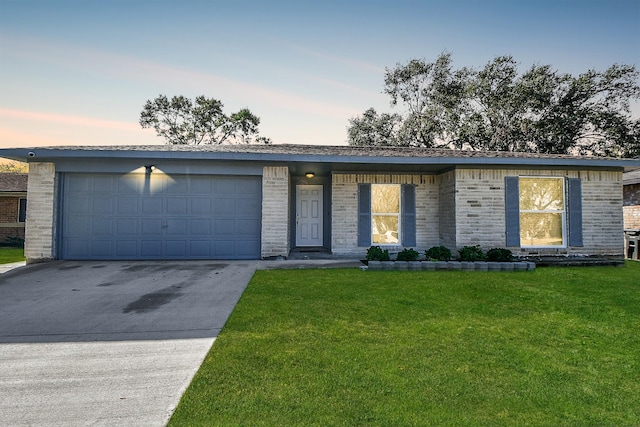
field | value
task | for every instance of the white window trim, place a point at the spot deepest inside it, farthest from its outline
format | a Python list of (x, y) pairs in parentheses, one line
[(564, 212), (399, 215)]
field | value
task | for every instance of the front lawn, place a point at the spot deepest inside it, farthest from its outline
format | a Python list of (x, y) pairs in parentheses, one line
[(556, 346), (8, 255)]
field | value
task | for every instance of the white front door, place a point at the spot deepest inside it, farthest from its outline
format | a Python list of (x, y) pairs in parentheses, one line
[(309, 215)]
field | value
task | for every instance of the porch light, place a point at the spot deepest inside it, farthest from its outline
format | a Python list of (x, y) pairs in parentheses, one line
[(150, 168), (309, 174)]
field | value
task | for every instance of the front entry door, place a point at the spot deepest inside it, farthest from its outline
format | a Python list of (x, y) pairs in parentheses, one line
[(309, 215)]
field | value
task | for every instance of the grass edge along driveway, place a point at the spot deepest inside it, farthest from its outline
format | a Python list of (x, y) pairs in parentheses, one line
[(556, 346)]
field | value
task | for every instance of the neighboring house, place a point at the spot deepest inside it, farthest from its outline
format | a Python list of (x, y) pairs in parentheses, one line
[(631, 183), (13, 205), (261, 201)]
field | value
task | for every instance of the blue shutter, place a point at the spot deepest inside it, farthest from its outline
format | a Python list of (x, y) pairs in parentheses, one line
[(364, 214), (408, 215), (512, 210), (574, 214)]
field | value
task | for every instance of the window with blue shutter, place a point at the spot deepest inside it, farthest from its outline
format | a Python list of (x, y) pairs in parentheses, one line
[(386, 214), (540, 213)]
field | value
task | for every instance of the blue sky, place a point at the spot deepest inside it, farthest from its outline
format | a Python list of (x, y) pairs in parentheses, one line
[(79, 72)]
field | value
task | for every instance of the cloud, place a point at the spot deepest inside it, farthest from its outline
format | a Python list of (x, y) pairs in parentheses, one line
[(67, 119), (127, 68)]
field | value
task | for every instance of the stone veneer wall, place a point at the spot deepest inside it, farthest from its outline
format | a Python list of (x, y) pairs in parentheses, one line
[(344, 210), (275, 211), (480, 216), (40, 224)]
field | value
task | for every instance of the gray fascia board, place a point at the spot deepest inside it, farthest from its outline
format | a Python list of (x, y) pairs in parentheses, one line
[(52, 154)]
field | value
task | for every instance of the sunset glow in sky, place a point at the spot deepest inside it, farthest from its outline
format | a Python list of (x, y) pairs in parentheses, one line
[(79, 72)]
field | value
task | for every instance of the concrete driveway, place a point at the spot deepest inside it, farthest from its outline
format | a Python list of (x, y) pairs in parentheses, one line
[(108, 343)]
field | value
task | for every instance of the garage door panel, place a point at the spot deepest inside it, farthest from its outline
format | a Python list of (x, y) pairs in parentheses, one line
[(176, 248), (104, 184), (198, 248), (151, 248), (102, 227), (78, 227), (177, 205), (102, 206), (200, 227), (151, 227), (127, 205), (224, 207), (201, 185), (137, 216), (247, 227), (126, 227), (224, 227), (126, 248), (152, 205), (101, 248), (201, 206), (176, 227)]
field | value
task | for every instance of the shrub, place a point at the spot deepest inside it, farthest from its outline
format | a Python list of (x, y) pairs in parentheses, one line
[(438, 253), (375, 253), (408, 255), (13, 242), (472, 253), (499, 255)]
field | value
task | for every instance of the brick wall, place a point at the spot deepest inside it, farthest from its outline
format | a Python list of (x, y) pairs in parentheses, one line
[(40, 213), (481, 193), (275, 211), (9, 226), (631, 216), (344, 210)]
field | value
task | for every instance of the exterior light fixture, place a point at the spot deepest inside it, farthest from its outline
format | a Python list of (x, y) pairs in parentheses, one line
[(150, 168), (309, 174)]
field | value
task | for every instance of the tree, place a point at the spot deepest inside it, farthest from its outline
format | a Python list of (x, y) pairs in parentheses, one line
[(499, 108), (181, 121), (11, 166)]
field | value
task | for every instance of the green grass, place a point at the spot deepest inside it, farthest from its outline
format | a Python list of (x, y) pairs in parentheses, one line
[(556, 346), (8, 255)]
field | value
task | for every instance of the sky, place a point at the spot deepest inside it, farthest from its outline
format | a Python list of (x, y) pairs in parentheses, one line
[(79, 72)]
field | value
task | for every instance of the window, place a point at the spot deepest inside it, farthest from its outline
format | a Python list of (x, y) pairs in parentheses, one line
[(542, 212), (385, 214), (22, 210)]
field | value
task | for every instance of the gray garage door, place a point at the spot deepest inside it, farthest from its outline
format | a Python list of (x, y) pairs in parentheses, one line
[(157, 216)]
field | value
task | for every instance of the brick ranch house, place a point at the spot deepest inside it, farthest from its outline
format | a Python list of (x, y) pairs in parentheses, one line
[(257, 201), (13, 205)]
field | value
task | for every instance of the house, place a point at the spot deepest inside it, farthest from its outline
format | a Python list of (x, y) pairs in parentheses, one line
[(13, 206), (631, 199), (262, 201)]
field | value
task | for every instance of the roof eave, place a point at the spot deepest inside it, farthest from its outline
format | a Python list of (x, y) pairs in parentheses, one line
[(53, 154)]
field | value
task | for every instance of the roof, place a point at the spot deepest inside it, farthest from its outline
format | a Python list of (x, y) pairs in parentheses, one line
[(13, 182), (631, 177), (329, 158)]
